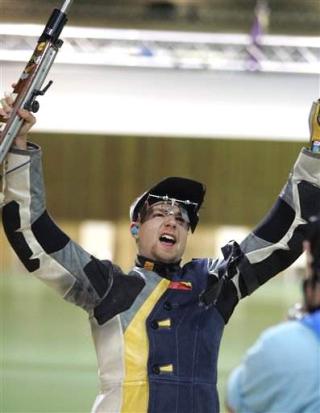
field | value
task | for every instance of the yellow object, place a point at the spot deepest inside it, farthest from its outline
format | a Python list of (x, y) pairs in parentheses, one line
[(167, 368), (165, 323), (314, 125)]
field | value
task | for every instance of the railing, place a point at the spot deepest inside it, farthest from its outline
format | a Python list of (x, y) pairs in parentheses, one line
[(169, 49)]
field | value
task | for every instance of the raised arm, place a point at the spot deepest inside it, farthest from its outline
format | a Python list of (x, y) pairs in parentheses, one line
[(273, 245), (277, 241), (44, 249)]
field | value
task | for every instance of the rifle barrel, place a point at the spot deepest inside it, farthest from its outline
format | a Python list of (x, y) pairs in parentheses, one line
[(65, 6)]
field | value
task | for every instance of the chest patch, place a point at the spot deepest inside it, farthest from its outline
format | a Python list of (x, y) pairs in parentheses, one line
[(180, 285)]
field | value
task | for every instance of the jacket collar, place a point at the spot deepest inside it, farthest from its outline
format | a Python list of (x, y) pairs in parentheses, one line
[(162, 269)]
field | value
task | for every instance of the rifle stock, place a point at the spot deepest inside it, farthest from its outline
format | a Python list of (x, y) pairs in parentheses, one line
[(34, 75)]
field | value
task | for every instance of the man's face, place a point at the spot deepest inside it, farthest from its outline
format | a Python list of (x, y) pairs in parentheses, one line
[(163, 233)]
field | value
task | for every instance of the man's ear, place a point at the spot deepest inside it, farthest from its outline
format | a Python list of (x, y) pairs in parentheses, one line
[(134, 229)]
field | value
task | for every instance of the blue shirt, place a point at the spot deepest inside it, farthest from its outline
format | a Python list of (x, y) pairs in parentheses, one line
[(281, 372)]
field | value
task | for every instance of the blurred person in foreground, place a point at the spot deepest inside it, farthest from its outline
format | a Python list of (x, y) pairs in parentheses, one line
[(156, 330), (281, 371)]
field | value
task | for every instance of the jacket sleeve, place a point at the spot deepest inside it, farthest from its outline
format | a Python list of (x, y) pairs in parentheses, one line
[(42, 247), (277, 241), (273, 245)]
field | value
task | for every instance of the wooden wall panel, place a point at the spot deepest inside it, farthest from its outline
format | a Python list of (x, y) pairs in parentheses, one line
[(97, 177)]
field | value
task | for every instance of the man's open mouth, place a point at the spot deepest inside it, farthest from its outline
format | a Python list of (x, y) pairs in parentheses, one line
[(167, 239)]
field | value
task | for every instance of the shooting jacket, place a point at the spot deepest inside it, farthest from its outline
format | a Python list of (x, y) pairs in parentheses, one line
[(157, 343)]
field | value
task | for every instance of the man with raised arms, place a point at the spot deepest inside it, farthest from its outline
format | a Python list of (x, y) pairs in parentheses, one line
[(156, 330)]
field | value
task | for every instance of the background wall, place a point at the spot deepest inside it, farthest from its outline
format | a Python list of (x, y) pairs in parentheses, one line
[(105, 174)]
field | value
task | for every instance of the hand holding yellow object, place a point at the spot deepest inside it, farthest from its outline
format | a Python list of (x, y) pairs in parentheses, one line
[(314, 124)]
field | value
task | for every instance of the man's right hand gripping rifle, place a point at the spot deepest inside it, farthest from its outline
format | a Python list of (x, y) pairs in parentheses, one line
[(29, 120), (100, 287)]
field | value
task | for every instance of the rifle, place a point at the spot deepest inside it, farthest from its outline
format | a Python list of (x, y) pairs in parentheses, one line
[(33, 76)]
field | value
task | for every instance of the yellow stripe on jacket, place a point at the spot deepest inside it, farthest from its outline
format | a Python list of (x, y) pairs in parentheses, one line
[(135, 387)]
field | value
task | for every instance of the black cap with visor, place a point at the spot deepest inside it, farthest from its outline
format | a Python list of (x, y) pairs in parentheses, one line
[(185, 192)]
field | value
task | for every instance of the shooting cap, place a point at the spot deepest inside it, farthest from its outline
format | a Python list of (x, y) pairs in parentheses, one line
[(185, 192)]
